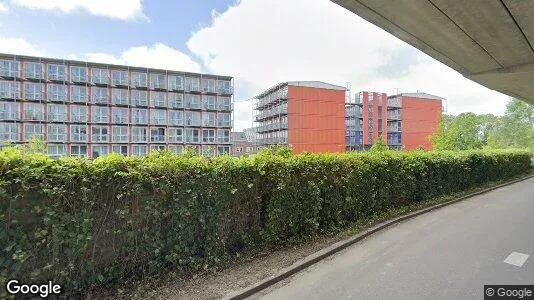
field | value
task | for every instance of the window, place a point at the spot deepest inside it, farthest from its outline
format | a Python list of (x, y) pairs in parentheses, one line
[(99, 95), (9, 132), (176, 82), (139, 80), (120, 96), (78, 74), (33, 130), (208, 150), (57, 72), (157, 135), (176, 100), (208, 119), (120, 115), (120, 134), (157, 148), (9, 111), (57, 113), (192, 135), (223, 136), (99, 134), (139, 98), (140, 116), (57, 92), (158, 116), (78, 94), (176, 117), (78, 114), (192, 101), (99, 150), (139, 134), (224, 103), (78, 150), (208, 85), (208, 135), (78, 133), (209, 102), (100, 114), (33, 70), (34, 111), (176, 149), (56, 133), (9, 68), (175, 135), (224, 87), (9, 90), (223, 150), (192, 84), (121, 149), (56, 150), (33, 91), (99, 76), (158, 81), (157, 99), (224, 120), (139, 150), (192, 118), (119, 77)]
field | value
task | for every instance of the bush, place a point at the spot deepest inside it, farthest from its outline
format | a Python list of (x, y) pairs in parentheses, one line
[(82, 223)]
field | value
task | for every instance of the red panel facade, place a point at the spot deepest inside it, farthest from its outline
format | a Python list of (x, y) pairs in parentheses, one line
[(316, 119), (420, 120)]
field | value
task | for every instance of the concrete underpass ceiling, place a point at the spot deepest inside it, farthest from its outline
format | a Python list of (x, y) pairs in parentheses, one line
[(488, 41)]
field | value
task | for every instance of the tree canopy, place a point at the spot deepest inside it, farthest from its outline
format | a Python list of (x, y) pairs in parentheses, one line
[(470, 131)]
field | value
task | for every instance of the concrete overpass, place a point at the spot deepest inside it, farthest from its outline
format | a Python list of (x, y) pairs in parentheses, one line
[(488, 41)]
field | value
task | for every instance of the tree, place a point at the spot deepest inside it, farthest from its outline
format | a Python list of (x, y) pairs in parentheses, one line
[(516, 128), (379, 146), (462, 132)]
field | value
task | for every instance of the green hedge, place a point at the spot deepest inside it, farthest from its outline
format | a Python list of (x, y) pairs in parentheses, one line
[(83, 223)]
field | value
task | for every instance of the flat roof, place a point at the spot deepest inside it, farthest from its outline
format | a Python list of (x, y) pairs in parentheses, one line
[(311, 84), (95, 64), (419, 95)]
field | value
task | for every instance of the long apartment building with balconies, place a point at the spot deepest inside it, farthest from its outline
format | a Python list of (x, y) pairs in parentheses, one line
[(90, 109)]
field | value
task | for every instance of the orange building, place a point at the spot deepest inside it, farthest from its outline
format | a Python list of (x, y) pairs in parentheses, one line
[(419, 116), (306, 115)]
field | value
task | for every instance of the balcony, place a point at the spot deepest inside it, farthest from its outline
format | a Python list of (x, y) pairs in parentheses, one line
[(274, 97), (9, 116), (192, 88), (272, 141), (272, 127), (228, 90), (394, 115), (394, 103), (275, 111)]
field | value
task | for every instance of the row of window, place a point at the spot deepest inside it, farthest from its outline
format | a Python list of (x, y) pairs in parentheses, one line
[(118, 134), (56, 150), (10, 111), (59, 72), (80, 94)]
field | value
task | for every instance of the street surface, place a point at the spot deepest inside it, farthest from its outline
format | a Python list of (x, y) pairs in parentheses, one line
[(450, 253)]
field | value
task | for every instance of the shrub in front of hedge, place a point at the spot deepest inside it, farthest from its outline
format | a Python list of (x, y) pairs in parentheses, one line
[(82, 223)]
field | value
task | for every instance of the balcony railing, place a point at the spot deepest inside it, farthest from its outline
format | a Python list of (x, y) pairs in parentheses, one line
[(272, 140), (275, 111), (272, 127), (271, 98)]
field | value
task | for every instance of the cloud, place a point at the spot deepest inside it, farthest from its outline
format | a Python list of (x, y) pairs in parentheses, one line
[(271, 41), (156, 56), (3, 8), (126, 10), (18, 46)]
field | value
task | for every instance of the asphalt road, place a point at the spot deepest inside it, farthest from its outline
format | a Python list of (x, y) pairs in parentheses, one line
[(450, 253)]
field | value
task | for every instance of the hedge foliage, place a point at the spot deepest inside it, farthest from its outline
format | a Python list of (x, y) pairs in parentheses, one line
[(83, 223)]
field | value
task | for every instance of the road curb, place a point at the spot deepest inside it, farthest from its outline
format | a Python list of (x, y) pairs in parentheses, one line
[(337, 247)]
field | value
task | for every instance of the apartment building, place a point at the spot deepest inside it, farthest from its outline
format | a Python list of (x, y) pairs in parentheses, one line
[(306, 115), (89, 109), (242, 144), (404, 121)]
